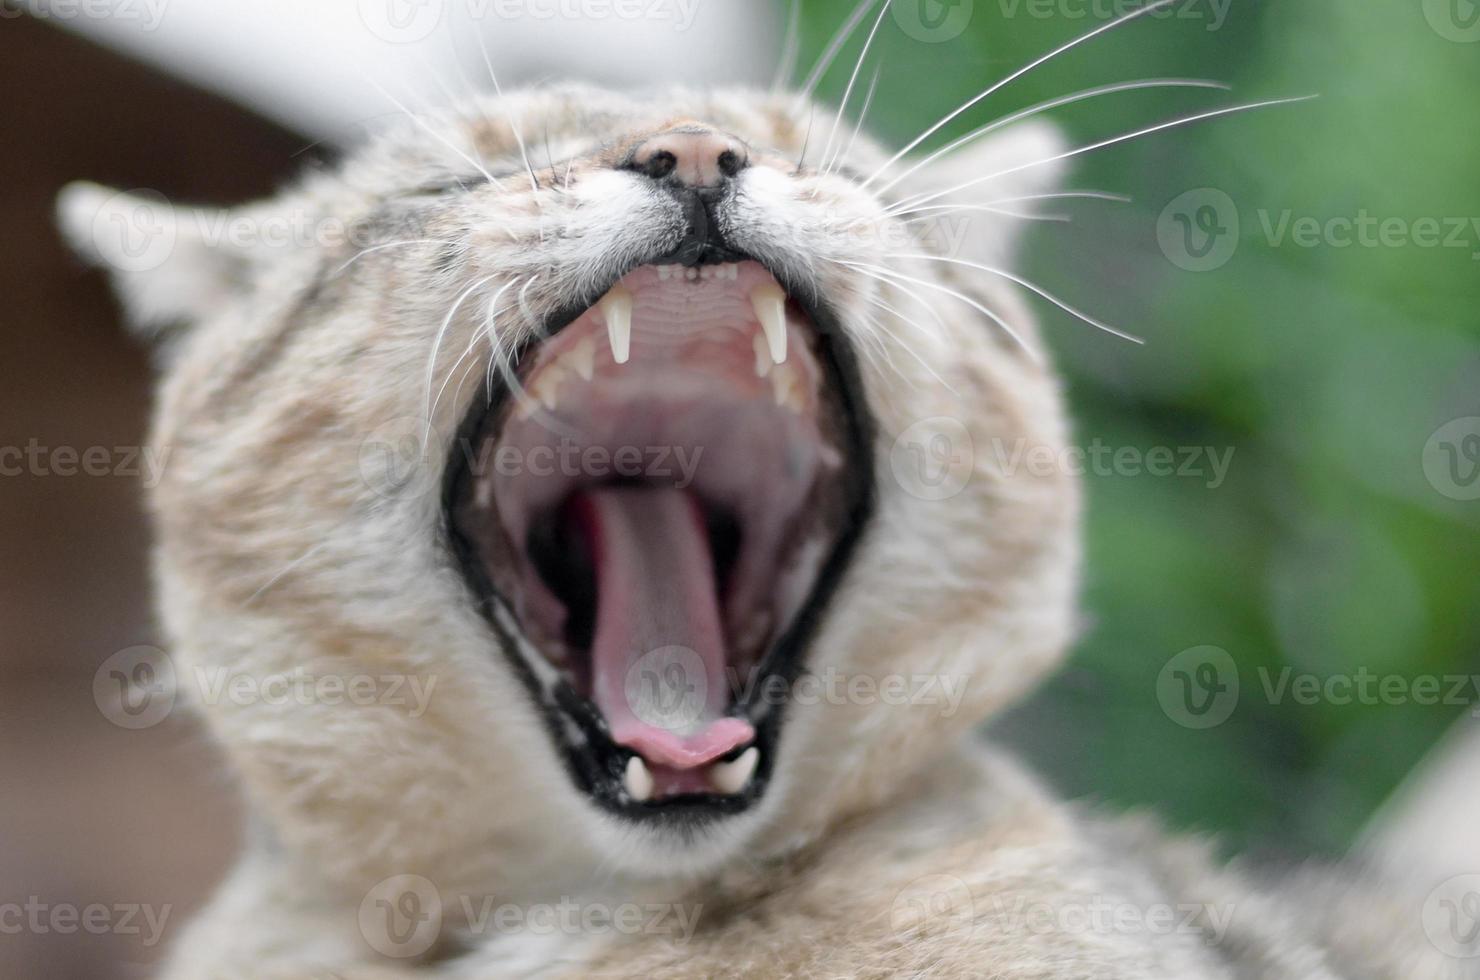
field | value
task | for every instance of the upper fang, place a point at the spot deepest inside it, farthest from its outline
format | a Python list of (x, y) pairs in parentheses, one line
[(770, 309), (616, 307)]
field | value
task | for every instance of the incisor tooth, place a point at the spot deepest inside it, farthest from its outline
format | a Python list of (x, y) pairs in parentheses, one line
[(582, 358), (637, 780), (546, 387), (770, 309), (616, 307), (732, 777)]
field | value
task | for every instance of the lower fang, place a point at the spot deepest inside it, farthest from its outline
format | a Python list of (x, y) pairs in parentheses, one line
[(638, 781), (732, 777)]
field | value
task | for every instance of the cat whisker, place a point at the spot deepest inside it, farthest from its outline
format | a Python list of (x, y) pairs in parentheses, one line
[(834, 47), (420, 123), (1123, 138), (401, 244), (852, 81), (955, 294), (847, 153), (1082, 96), (1030, 286), (472, 344), (534, 182), (431, 371), (791, 48), (1044, 59)]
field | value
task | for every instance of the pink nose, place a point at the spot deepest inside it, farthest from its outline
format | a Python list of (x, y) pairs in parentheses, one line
[(693, 157)]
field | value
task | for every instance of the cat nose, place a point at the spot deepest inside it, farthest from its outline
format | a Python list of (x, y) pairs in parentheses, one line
[(692, 158)]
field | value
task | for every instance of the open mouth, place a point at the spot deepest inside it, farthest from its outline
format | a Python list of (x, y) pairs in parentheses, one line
[(654, 507)]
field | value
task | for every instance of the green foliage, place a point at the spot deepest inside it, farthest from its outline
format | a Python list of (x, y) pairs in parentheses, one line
[(1325, 368)]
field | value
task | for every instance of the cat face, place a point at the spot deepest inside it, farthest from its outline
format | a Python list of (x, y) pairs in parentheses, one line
[(644, 439)]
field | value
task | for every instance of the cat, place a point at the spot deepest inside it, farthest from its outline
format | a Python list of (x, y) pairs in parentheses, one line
[(643, 439)]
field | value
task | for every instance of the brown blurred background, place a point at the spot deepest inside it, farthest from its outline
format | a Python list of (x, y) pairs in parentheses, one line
[(90, 812)]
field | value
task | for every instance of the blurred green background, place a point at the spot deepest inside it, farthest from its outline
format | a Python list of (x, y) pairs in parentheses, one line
[(1325, 369)]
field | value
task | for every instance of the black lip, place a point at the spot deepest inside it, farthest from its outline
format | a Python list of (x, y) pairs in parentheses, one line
[(598, 766)]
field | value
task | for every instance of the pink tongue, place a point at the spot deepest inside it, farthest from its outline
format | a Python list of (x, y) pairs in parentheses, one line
[(658, 655)]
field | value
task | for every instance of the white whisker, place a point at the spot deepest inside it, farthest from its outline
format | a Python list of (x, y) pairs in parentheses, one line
[(868, 101), (834, 46), (852, 81), (386, 245), (1056, 52), (1124, 138), (441, 332), (974, 304), (1032, 287), (791, 47), (1083, 96), (436, 135)]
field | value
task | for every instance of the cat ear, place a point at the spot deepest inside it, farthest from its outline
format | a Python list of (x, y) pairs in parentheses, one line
[(1015, 163), (164, 266)]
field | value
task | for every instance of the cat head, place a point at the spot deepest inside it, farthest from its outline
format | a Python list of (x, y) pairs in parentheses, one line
[(644, 463)]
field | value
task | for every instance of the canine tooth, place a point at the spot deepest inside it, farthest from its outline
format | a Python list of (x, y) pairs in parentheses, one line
[(762, 356), (582, 358), (616, 307), (732, 777), (637, 780), (770, 309)]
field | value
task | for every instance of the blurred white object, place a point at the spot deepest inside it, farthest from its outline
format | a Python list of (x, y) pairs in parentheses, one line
[(1431, 826), (325, 68)]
